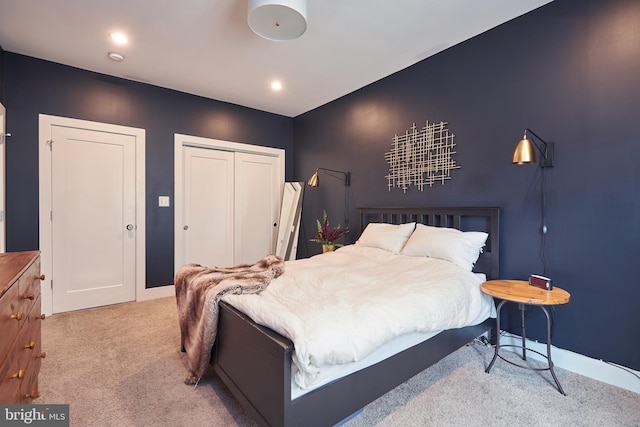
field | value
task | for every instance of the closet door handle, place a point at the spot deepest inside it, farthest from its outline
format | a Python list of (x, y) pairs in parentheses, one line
[(129, 227)]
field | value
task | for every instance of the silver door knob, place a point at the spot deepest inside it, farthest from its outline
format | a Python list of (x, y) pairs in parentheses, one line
[(129, 227), (186, 227)]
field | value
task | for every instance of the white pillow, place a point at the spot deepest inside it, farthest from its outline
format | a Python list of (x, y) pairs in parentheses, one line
[(390, 237), (449, 244)]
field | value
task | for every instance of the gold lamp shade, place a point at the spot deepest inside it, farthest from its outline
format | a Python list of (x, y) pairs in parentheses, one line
[(313, 181), (525, 152)]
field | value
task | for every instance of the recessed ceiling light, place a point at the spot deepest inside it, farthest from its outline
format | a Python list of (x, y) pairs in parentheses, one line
[(119, 38), (276, 85), (116, 56)]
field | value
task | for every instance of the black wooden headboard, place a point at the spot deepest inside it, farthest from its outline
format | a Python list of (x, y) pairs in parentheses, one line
[(485, 219)]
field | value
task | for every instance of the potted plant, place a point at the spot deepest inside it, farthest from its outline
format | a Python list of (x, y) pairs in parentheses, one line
[(327, 236)]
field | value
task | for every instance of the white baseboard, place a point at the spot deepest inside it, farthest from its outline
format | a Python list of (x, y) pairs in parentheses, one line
[(154, 293), (578, 363)]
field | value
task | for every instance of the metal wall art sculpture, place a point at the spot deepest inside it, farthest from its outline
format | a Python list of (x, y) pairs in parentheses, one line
[(422, 157)]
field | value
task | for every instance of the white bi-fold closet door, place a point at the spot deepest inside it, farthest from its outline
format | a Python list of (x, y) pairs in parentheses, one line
[(228, 199)]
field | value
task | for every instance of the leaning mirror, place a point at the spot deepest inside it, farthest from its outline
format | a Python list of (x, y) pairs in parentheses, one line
[(289, 224)]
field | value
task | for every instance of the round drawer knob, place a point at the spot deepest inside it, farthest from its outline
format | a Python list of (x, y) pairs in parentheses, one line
[(18, 375), (17, 316), (32, 395), (30, 346), (30, 296)]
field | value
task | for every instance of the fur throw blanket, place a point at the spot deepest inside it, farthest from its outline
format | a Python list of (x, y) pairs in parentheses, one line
[(198, 291)]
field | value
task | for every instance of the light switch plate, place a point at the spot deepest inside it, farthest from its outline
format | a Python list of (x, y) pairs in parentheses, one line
[(164, 201)]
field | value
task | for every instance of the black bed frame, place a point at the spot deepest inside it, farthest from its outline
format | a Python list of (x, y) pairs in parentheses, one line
[(255, 362)]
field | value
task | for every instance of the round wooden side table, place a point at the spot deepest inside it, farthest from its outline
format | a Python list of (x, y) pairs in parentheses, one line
[(523, 293)]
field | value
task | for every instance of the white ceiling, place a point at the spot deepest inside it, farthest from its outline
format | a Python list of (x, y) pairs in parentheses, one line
[(206, 48)]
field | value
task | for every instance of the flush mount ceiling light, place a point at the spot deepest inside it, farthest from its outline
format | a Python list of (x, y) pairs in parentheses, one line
[(116, 56), (278, 20)]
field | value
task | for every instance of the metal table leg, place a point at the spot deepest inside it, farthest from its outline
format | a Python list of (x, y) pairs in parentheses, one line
[(495, 354), (524, 331), (524, 356), (553, 374)]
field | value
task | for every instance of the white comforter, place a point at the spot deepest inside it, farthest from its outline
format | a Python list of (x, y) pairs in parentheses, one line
[(340, 306)]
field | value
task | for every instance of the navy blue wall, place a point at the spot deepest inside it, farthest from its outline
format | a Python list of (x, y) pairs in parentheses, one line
[(35, 87), (570, 72)]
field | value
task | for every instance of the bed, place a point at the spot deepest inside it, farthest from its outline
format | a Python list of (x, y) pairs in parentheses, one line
[(255, 362)]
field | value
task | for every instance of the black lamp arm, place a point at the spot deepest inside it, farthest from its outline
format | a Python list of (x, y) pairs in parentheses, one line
[(346, 178), (547, 153)]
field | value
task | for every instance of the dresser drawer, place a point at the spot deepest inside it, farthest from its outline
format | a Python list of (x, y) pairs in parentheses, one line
[(11, 376), (30, 347), (29, 285), (11, 319), (20, 376)]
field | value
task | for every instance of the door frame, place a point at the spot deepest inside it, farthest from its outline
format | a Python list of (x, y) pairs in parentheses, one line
[(3, 143), (180, 141), (46, 244)]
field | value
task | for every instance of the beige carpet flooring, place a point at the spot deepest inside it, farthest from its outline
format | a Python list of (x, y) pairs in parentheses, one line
[(121, 366)]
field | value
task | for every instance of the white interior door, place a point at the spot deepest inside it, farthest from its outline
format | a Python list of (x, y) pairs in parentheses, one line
[(93, 218), (208, 206), (258, 186)]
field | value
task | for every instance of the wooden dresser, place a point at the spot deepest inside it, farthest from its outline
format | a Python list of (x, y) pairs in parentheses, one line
[(20, 325)]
